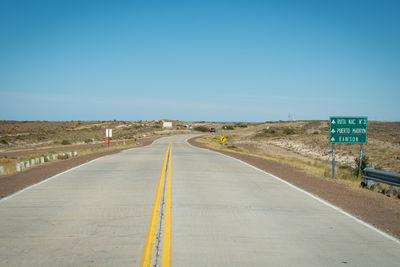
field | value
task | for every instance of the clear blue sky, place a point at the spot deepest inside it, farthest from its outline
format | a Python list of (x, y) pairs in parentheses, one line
[(199, 60)]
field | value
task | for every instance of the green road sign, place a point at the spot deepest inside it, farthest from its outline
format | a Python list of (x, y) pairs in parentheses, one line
[(348, 130)]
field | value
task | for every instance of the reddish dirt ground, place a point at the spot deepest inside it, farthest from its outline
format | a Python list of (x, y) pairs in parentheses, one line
[(371, 207), (14, 182)]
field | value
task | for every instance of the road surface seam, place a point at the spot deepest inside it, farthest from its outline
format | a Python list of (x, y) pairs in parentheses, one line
[(158, 252), (394, 239), (152, 245)]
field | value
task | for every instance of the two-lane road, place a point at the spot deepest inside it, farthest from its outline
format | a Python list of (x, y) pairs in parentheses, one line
[(224, 213)]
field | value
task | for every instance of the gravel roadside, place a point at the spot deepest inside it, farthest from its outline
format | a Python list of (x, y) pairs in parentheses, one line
[(374, 208)]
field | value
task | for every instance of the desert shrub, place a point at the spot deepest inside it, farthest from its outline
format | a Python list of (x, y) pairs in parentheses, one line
[(63, 156), (65, 142), (364, 164), (346, 174), (345, 167), (378, 167), (201, 129), (241, 125), (228, 127), (288, 131), (41, 137), (3, 141), (268, 132)]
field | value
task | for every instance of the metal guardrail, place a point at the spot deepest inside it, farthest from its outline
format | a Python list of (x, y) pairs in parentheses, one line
[(382, 176)]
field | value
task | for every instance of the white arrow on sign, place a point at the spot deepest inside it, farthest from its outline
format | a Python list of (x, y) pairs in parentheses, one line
[(333, 139), (333, 122), (333, 131)]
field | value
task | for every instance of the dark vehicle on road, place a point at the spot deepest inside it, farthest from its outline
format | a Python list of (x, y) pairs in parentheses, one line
[(212, 130)]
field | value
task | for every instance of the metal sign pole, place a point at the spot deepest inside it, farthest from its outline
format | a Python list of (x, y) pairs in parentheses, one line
[(333, 161), (360, 162)]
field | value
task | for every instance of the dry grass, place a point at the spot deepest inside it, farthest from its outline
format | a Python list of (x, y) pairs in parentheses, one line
[(305, 144)]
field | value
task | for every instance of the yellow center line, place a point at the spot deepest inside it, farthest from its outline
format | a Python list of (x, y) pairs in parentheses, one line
[(166, 252), (147, 257)]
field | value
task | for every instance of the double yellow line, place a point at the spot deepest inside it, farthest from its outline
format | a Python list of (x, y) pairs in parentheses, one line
[(148, 253)]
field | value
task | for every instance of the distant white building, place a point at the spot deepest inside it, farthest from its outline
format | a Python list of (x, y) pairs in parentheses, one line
[(167, 124)]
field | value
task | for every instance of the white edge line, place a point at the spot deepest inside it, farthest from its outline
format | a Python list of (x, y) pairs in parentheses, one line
[(54, 176), (394, 239), (45, 181)]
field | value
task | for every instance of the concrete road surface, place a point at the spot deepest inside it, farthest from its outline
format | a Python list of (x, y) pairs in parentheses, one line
[(224, 213)]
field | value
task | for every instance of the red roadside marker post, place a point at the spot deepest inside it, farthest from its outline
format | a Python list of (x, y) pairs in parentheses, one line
[(108, 136)]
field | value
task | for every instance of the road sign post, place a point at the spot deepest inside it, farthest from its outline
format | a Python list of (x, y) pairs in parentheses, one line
[(333, 161), (360, 161), (347, 130)]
